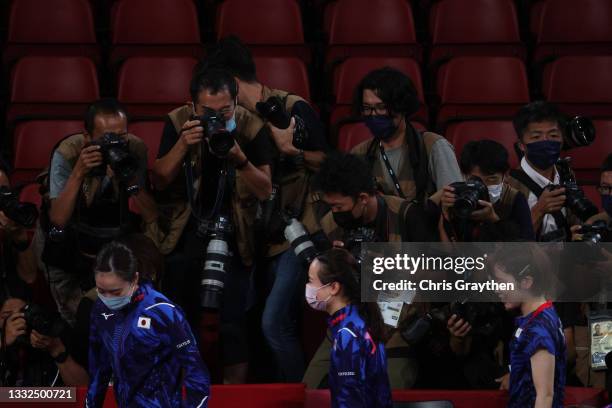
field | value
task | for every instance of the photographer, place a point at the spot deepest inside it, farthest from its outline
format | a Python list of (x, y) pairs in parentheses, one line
[(300, 139), (225, 154), (540, 127), (494, 212), (405, 162), (603, 219), (91, 177), (358, 214)]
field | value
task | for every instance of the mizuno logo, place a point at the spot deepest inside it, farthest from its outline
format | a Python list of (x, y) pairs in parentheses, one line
[(106, 316)]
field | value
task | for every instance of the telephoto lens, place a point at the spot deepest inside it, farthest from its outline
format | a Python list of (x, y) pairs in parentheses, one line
[(216, 264), (299, 238)]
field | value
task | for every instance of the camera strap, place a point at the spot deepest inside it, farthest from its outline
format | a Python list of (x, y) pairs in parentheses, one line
[(522, 177), (390, 170)]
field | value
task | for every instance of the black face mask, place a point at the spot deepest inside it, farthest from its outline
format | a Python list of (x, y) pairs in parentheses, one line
[(346, 220)]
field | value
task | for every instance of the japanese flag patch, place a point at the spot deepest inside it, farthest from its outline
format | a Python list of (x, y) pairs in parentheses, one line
[(144, 322)]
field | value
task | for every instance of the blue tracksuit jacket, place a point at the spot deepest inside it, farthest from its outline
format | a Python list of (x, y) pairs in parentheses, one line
[(358, 369), (149, 350)]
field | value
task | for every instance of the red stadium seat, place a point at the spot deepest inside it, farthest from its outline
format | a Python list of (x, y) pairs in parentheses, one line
[(373, 28), (580, 85), (535, 16), (150, 133), (31, 194), (501, 131), (586, 161), (155, 28), (569, 27), (351, 134), (590, 191), (286, 73), (52, 87), (34, 142), (151, 87), (484, 28), (353, 70), (268, 27), (50, 27), (481, 87)]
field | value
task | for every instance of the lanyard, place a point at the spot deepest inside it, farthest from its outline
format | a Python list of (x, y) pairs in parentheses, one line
[(535, 314), (392, 174)]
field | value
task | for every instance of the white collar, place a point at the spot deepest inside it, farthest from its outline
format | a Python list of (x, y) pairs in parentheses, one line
[(539, 179)]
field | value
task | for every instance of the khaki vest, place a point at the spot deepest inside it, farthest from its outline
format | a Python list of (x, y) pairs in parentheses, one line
[(405, 175), (173, 205), (503, 207)]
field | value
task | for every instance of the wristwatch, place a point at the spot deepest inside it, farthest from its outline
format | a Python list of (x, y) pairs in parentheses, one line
[(61, 357)]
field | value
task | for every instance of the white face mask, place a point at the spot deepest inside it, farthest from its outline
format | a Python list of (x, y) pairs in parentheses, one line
[(495, 192)]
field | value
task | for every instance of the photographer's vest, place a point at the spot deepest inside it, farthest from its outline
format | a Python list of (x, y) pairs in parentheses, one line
[(414, 172), (174, 207), (562, 221), (70, 149), (294, 187), (503, 206)]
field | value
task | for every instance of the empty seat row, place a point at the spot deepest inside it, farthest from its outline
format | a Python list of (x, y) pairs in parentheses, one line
[(275, 28), (467, 87)]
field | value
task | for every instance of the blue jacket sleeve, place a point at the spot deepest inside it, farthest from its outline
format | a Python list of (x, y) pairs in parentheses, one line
[(348, 368), (196, 379), (100, 369)]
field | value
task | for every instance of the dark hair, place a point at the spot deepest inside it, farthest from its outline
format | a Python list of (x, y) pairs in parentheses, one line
[(537, 112), (345, 174), (150, 260), (231, 54), (393, 87), (106, 106), (527, 260), (338, 265), (607, 164), (490, 156), (214, 80), (118, 258)]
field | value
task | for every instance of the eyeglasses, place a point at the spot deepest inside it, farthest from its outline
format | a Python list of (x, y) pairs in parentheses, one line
[(605, 190), (378, 109)]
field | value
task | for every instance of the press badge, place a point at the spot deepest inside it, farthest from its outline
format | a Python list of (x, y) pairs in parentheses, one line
[(600, 330), (391, 312)]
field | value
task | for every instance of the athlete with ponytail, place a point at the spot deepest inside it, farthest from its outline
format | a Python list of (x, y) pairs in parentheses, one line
[(358, 370)]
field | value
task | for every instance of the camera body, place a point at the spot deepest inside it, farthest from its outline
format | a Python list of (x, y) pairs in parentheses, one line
[(273, 110), (356, 237), (219, 139), (216, 261), (468, 193), (24, 214), (576, 201), (43, 321), (579, 132), (599, 231), (116, 154)]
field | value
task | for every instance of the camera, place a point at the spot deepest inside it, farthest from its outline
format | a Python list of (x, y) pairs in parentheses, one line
[(116, 154), (43, 321), (273, 110), (579, 132), (355, 238), (219, 139), (216, 261), (24, 214), (599, 231), (300, 241), (575, 200), (468, 194)]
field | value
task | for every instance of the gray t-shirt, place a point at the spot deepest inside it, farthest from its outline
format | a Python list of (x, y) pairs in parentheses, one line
[(396, 158)]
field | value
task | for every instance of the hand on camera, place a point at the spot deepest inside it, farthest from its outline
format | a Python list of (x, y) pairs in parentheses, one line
[(192, 133), (14, 327), (551, 200), (504, 382), (236, 155), (447, 200), (284, 138), (52, 344), (458, 327), (90, 158), (576, 235), (486, 213)]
